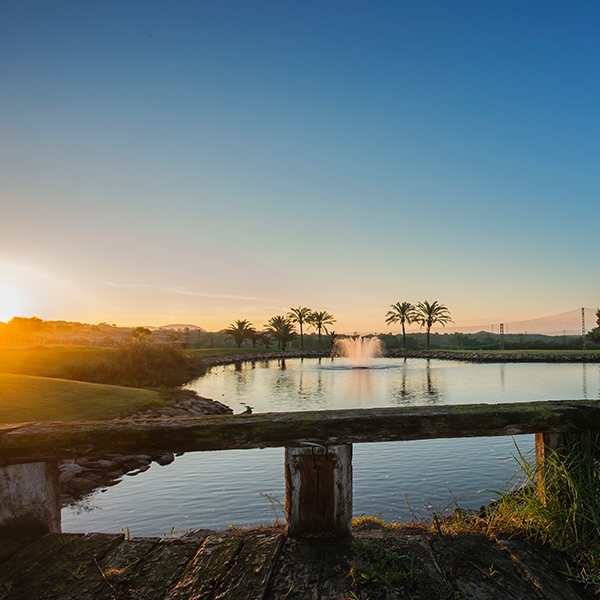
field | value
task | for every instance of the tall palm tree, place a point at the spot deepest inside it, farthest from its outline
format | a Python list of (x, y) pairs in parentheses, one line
[(427, 314), (282, 329), (403, 313), (300, 316), (239, 331), (319, 320)]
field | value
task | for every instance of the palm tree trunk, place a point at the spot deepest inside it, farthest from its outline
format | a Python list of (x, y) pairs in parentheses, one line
[(301, 337), (428, 330), (404, 336)]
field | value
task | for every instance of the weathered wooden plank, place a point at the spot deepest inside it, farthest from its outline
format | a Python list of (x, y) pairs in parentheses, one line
[(542, 567), (156, 575), (478, 568), (10, 545), (48, 441), (111, 575), (49, 566), (318, 490), (250, 573), (298, 574), (207, 569)]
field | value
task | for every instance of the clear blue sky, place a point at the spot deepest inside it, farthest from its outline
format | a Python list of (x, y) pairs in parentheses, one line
[(199, 162)]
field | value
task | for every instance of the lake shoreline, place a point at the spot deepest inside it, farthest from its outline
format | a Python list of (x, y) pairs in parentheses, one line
[(463, 356)]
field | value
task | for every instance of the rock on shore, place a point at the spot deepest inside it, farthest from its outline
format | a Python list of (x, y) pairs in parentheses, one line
[(80, 476)]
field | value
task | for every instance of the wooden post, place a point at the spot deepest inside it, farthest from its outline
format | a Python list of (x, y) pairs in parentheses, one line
[(318, 490), (29, 498), (545, 445)]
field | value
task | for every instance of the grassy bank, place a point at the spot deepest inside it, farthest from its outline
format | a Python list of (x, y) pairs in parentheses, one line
[(508, 352), (26, 398), (46, 362)]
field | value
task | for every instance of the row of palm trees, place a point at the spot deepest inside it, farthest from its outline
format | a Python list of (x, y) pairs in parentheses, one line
[(423, 313), (281, 328)]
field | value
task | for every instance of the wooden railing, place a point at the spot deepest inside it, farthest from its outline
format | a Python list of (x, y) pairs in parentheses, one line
[(318, 457)]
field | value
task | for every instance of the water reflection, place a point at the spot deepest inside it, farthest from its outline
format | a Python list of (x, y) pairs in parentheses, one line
[(312, 384)]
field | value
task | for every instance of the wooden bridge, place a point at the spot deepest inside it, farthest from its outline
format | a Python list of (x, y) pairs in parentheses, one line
[(311, 557), (318, 455)]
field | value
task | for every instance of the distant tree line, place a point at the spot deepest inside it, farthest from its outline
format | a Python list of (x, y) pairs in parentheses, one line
[(280, 330)]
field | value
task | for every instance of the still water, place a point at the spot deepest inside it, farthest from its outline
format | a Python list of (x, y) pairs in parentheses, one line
[(398, 480)]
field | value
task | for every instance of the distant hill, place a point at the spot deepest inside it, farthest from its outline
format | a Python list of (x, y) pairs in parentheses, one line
[(182, 326)]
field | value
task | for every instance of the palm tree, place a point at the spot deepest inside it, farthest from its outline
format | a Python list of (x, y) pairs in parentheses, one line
[(403, 313), (282, 329), (319, 320), (239, 331), (427, 314), (265, 338), (299, 315)]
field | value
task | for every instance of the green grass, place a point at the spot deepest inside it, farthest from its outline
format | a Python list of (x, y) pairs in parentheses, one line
[(45, 362), (567, 513), (26, 398), (553, 351), (206, 352)]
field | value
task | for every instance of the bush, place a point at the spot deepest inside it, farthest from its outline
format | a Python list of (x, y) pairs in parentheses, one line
[(141, 364)]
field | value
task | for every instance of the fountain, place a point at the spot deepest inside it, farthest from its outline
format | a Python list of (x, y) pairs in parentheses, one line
[(360, 350)]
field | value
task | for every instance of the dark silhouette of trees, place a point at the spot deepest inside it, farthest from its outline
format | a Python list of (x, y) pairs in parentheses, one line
[(403, 313), (300, 316), (428, 314), (141, 333), (265, 338), (282, 330), (239, 331), (319, 320)]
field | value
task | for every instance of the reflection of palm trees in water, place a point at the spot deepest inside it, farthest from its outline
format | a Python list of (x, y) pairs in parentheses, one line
[(413, 392), (433, 394), (403, 394)]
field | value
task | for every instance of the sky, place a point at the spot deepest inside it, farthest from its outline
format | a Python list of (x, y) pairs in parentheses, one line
[(201, 162)]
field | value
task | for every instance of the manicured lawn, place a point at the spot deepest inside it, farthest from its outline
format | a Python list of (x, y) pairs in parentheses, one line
[(561, 352), (26, 398), (204, 352), (45, 362)]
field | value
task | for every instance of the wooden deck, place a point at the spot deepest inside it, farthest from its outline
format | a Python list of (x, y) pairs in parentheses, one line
[(264, 564)]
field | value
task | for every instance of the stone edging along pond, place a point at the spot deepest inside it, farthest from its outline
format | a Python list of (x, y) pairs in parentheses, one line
[(461, 355)]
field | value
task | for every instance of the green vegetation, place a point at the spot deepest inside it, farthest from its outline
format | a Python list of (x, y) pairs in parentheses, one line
[(46, 362), (594, 335), (319, 320), (207, 352), (403, 313), (282, 329), (382, 562), (428, 315), (240, 331), (25, 398), (140, 364), (567, 513)]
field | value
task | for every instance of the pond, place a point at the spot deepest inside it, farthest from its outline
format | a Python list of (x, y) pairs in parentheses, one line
[(398, 480)]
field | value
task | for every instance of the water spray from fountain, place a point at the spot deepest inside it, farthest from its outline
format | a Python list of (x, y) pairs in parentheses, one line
[(360, 350)]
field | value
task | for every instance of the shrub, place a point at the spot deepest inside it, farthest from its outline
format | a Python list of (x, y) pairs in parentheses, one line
[(139, 363)]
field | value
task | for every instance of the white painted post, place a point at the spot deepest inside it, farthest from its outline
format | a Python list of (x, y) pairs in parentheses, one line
[(30, 498), (318, 490)]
